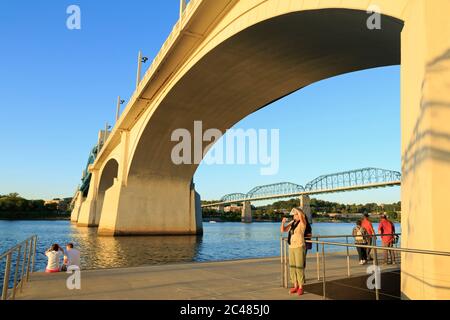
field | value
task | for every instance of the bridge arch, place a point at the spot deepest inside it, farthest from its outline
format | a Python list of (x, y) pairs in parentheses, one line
[(244, 64), (352, 178), (232, 197), (108, 174), (275, 189)]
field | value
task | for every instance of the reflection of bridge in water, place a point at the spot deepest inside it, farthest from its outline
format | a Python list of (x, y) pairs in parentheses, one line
[(367, 178)]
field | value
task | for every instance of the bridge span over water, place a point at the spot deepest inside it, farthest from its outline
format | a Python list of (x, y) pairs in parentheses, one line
[(226, 59), (367, 178)]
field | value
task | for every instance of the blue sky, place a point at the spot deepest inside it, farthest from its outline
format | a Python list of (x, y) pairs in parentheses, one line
[(58, 88)]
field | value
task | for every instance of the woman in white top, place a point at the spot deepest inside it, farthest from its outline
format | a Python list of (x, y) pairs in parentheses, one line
[(296, 240), (54, 254)]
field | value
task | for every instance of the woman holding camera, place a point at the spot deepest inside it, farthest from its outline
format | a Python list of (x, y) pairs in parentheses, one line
[(54, 255), (297, 252)]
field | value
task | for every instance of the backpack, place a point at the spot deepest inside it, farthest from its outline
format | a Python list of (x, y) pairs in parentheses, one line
[(359, 237), (308, 230)]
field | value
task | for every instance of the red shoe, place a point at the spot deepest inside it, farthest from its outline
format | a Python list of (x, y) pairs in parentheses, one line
[(293, 290), (300, 291)]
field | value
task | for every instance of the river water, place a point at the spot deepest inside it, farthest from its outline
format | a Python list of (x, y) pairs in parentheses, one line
[(220, 241)]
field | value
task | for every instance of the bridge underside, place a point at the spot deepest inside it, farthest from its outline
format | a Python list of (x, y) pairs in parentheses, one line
[(241, 75)]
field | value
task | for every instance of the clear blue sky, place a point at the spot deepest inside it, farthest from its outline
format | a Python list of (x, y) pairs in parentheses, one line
[(58, 88)]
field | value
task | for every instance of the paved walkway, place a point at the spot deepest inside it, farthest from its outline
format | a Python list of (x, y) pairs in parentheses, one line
[(254, 279)]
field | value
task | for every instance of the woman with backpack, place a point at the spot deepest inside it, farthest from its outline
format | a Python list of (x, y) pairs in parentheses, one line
[(296, 241), (360, 234)]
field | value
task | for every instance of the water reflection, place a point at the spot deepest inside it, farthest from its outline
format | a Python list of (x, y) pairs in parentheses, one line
[(109, 252)]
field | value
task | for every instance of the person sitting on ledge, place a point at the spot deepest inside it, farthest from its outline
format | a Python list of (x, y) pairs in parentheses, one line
[(71, 257), (53, 254)]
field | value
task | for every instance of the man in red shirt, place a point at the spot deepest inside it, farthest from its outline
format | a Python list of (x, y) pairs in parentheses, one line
[(387, 229), (366, 224)]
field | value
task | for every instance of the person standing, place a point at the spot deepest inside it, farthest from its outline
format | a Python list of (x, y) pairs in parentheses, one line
[(296, 241), (360, 234), (387, 229), (372, 238)]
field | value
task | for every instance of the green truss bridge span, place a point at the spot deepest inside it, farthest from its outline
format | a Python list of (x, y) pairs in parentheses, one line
[(367, 178)]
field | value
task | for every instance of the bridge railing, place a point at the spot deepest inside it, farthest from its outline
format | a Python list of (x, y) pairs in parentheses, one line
[(19, 263), (320, 252)]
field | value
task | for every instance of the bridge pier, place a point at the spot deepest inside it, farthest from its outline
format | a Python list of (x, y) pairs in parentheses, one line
[(425, 118), (88, 208), (76, 209), (305, 205), (246, 212), (151, 206)]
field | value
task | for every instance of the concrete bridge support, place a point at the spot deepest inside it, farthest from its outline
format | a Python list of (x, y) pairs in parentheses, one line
[(151, 207), (246, 212), (425, 119), (76, 209), (305, 205), (89, 206)]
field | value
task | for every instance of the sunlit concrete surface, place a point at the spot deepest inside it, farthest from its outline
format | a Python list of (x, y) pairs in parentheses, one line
[(253, 279)]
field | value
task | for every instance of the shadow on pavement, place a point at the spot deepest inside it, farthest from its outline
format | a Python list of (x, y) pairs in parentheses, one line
[(355, 288)]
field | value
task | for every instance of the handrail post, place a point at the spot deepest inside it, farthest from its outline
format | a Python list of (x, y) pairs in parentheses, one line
[(28, 261), (317, 258), (323, 272), (281, 262), (286, 281), (348, 258), (34, 254), (375, 263), (16, 272), (23, 264), (6, 278)]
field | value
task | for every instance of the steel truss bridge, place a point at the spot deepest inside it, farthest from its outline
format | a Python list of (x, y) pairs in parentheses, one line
[(367, 178)]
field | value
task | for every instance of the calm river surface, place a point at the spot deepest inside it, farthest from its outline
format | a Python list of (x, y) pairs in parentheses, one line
[(220, 241)]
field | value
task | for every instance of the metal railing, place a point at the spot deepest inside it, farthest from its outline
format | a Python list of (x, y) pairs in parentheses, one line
[(22, 258), (284, 250), (347, 245)]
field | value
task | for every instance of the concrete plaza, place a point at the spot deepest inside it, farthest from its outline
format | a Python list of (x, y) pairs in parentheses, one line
[(252, 279)]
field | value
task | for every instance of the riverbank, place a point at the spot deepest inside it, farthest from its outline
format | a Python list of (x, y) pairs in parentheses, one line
[(33, 216)]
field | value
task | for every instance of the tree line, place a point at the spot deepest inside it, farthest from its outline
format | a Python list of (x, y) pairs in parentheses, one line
[(319, 208), (13, 206)]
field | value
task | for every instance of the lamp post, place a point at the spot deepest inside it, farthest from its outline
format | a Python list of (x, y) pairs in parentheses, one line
[(141, 60), (119, 102), (182, 7)]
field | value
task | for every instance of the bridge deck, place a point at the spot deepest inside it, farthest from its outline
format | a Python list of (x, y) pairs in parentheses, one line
[(253, 279)]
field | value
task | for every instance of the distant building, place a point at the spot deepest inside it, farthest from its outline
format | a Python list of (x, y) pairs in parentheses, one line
[(61, 204), (232, 208)]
